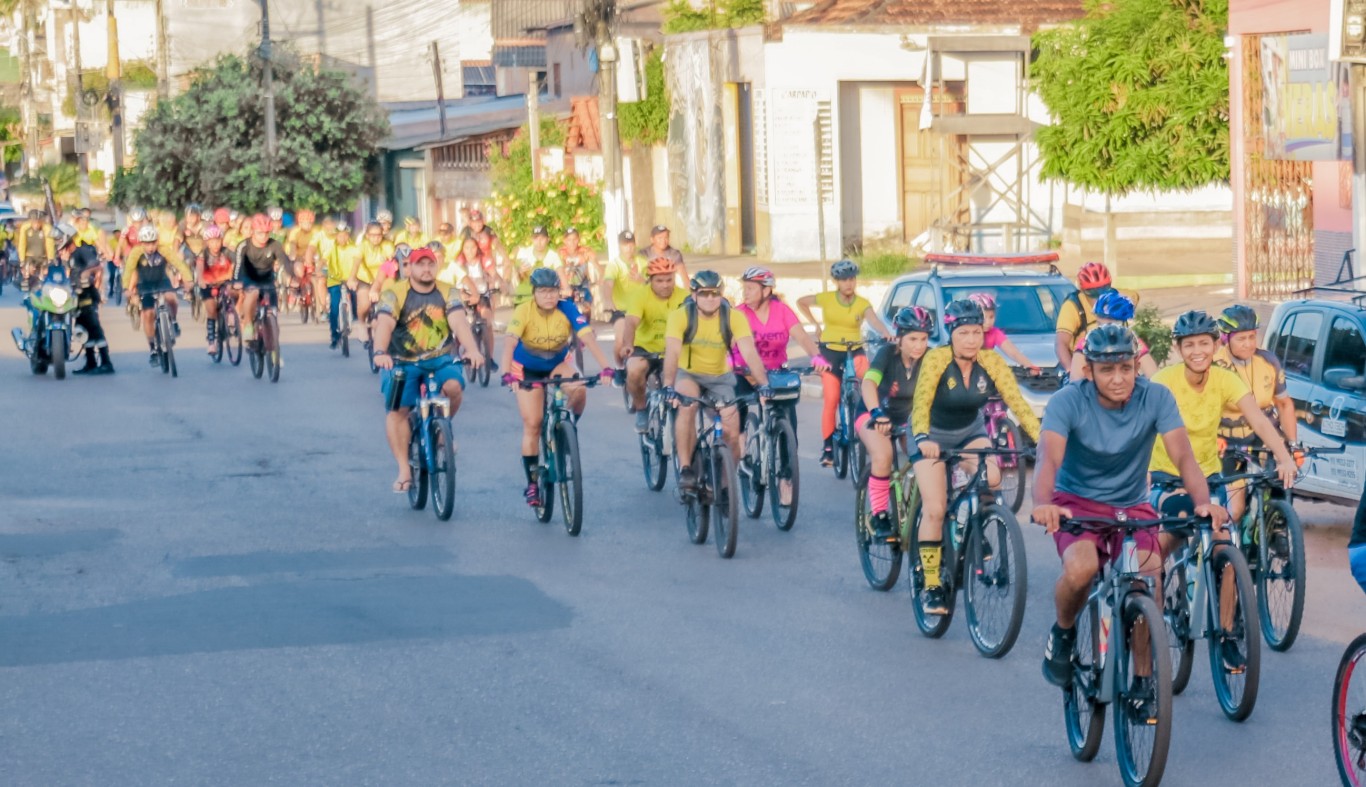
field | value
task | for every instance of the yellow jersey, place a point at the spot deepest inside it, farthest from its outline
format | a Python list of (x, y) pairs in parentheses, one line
[(706, 353), (1077, 324), (416, 240), (653, 313), (546, 334), (841, 322), (371, 258), (299, 239), (339, 261), (1201, 411)]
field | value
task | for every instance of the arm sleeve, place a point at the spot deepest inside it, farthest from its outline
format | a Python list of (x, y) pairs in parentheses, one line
[(388, 302), (932, 368), (1004, 379), (239, 261), (877, 369)]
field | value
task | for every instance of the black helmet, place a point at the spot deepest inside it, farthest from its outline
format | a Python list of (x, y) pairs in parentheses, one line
[(844, 269), (909, 319), (1110, 343), (544, 277), (401, 252), (1195, 323), (705, 280), (195, 208), (963, 311), (1238, 318)]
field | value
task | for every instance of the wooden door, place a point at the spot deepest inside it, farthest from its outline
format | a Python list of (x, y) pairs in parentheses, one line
[(925, 177)]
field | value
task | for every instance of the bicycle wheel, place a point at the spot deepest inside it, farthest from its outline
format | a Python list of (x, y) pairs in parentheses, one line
[(417, 490), (858, 460), (547, 492), (932, 626), (1349, 715), (652, 450), (1176, 613), (785, 478), (698, 514), (841, 442), (443, 468), (995, 581), (370, 351), (256, 357), (1143, 711), (217, 354), (1280, 574), (305, 306), (569, 476), (230, 336), (1082, 715), (196, 304), (164, 334), (271, 344), (1235, 687), (1013, 468), (751, 469), (880, 558), (725, 505)]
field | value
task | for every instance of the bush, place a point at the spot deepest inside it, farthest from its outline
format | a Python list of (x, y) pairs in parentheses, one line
[(883, 257), (558, 202), (647, 122), (97, 178), (1155, 333)]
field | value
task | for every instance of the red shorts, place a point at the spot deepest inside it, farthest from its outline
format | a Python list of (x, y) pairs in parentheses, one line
[(1107, 544)]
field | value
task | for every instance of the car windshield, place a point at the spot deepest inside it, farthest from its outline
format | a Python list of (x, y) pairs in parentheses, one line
[(1021, 308)]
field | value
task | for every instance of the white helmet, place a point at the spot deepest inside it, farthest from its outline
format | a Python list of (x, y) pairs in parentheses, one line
[(384, 216), (147, 233)]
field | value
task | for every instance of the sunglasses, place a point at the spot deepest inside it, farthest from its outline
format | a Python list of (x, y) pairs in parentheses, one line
[(708, 293)]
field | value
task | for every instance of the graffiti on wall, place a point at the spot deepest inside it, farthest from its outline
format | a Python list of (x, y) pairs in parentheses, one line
[(695, 144)]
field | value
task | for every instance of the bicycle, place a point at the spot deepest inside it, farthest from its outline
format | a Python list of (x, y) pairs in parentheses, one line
[(163, 342), (1272, 540), (1192, 608), (483, 336), (1104, 663), (345, 309), (1349, 716), (656, 442), (984, 554), (431, 450), (881, 556), (1006, 434), (301, 294), (560, 464), (229, 325), (115, 284), (714, 497), (264, 350), (850, 457), (134, 310), (370, 339), (770, 460)]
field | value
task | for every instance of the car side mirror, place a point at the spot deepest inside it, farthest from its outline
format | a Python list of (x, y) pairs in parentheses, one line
[(1345, 379)]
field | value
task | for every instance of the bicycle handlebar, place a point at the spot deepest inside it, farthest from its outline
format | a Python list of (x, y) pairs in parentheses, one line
[(707, 401), (526, 385), (951, 453), (1080, 524)]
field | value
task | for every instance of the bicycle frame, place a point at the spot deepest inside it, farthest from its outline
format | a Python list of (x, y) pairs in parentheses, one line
[(431, 404), (1202, 602), (554, 411)]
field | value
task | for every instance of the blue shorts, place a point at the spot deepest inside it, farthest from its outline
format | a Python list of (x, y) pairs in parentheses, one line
[(445, 367)]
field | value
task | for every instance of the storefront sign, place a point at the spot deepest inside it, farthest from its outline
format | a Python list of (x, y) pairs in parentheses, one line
[(1305, 106)]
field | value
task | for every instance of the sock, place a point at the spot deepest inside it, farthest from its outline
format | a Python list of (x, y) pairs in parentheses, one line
[(151, 345), (879, 492), (529, 467), (930, 552), (212, 327), (829, 442)]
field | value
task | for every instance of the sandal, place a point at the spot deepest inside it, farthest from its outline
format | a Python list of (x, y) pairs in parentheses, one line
[(401, 487)]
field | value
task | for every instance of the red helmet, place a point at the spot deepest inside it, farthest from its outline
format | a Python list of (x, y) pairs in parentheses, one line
[(660, 266), (260, 223), (222, 216), (1093, 275), (759, 275)]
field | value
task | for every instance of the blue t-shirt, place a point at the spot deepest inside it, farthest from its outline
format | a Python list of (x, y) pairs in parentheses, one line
[(1108, 450)]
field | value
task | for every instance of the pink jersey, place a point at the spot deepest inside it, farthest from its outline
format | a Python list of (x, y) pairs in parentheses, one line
[(993, 338), (771, 337)]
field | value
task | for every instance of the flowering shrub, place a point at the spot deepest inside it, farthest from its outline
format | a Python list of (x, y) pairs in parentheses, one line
[(557, 203)]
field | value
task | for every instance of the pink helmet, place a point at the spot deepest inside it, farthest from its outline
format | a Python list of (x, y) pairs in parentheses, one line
[(984, 299), (213, 232)]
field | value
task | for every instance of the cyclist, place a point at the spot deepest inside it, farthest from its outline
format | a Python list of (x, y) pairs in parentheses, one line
[(148, 274), (385, 220), (83, 261), (659, 247), (417, 322), (640, 342), (445, 232), (579, 270), (374, 252), (697, 343), (299, 243), (1077, 314), (843, 311), (277, 223), (1114, 307), (478, 277), (955, 381), (192, 231), (213, 271), (529, 258), (258, 258), (342, 256), (34, 245), (222, 218), (541, 333), (89, 234), (888, 391), (411, 233), (1092, 462), (623, 277), (125, 242), (393, 269), (236, 232), (1356, 544), (994, 338), (773, 324)]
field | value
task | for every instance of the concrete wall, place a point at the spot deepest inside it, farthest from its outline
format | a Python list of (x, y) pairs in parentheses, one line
[(576, 77)]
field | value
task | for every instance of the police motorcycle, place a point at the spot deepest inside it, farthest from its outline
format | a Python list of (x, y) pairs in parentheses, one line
[(53, 338)]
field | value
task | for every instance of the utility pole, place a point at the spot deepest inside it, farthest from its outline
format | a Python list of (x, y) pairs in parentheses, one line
[(268, 86), (322, 32), (163, 55), (533, 110), (440, 91), (370, 50), (599, 21), (29, 88), (82, 141), (114, 72)]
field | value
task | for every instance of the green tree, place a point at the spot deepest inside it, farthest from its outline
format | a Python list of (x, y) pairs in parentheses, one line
[(1138, 91), (208, 144), (647, 122), (681, 16), (12, 130)]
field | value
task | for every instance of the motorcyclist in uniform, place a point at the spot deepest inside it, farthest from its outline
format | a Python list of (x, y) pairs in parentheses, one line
[(86, 270)]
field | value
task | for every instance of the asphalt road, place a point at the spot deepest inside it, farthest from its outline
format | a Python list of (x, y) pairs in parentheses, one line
[(206, 580)]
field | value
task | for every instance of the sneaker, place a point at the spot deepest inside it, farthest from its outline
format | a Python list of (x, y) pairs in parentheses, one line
[(934, 601), (335, 341), (175, 328), (828, 456), (1141, 701), (882, 525), (642, 421), (153, 359), (1057, 656), (1234, 661), (533, 495), (211, 348), (104, 368), (687, 480)]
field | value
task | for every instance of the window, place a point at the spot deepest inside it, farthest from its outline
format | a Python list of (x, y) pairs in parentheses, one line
[(1020, 308), (1296, 342), (1345, 349), (901, 296)]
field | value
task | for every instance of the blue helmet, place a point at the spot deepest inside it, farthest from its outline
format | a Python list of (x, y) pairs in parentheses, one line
[(1114, 306)]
